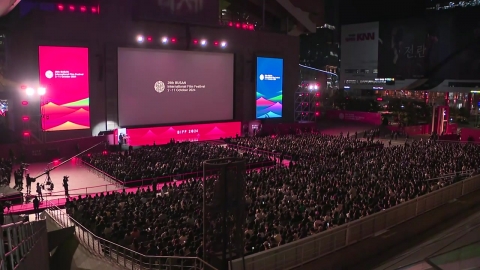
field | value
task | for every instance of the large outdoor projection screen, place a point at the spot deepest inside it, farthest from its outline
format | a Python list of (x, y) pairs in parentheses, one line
[(269, 86), (63, 71), (164, 87)]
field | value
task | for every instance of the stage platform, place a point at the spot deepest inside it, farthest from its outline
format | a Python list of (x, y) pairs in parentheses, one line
[(10, 194)]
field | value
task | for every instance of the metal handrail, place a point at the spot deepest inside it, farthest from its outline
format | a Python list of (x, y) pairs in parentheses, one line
[(108, 248)]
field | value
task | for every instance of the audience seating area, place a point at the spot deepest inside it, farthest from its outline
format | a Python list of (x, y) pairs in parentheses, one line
[(326, 186), (166, 161)]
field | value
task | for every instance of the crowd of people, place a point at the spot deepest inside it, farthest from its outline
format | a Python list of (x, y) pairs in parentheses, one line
[(323, 189), (166, 160), (307, 145)]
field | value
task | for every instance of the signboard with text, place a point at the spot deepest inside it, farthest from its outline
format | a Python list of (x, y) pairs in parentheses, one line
[(185, 11)]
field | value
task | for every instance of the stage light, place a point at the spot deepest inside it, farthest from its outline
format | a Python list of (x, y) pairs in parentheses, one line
[(223, 44), (30, 91), (251, 27), (149, 39), (104, 152), (203, 42), (245, 26), (24, 103), (215, 43), (56, 161), (140, 39), (23, 87), (238, 25), (195, 41), (25, 118), (83, 8), (317, 114), (317, 104), (317, 94), (316, 87), (26, 133), (174, 40), (41, 91), (94, 10), (60, 7), (230, 24), (71, 8), (165, 40)]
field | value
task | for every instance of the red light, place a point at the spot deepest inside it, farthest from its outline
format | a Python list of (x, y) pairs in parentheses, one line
[(230, 24), (83, 8), (238, 25), (88, 155), (74, 159), (245, 26), (60, 7), (104, 152), (26, 134), (251, 27), (149, 39), (317, 104), (56, 161), (215, 43), (23, 87), (24, 103), (25, 118), (317, 114), (195, 41), (317, 94), (379, 99), (94, 10), (71, 8), (174, 40)]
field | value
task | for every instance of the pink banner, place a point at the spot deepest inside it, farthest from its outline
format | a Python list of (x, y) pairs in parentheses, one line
[(467, 133), (196, 132), (413, 130), (362, 117)]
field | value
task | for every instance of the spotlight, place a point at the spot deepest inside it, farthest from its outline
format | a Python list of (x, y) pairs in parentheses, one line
[(173, 40), (164, 40), (238, 25), (149, 39), (203, 42), (30, 91), (25, 118), (61, 7), (24, 103), (71, 8), (195, 41), (230, 24), (41, 91), (94, 10), (251, 27), (140, 39), (83, 8), (223, 44), (26, 134), (215, 43)]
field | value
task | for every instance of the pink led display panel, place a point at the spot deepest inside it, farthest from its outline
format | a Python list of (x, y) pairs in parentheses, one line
[(63, 71), (196, 132)]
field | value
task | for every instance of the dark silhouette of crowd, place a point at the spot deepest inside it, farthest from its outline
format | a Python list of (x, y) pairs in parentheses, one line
[(306, 145), (166, 160), (324, 190)]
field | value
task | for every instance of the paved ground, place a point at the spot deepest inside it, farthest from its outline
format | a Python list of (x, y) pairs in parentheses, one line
[(429, 234)]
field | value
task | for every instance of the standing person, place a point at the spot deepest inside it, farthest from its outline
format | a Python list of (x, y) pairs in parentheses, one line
[(39, 191), (36, 207), (65, 186), (29, 181)]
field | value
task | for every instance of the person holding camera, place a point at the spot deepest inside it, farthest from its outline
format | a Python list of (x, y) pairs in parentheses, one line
[(29, 181), (65, 186), (39, 191)]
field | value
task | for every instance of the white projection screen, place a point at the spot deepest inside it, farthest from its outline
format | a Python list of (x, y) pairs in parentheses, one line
[(158, 87)]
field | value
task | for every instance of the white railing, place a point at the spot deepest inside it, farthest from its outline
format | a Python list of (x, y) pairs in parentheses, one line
[(120, 255), (293, 255), (18, 239)]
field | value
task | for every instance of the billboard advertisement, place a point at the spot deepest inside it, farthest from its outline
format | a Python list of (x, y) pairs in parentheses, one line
[(183, 133), (269, 87), (165, 87), (187, 11), (63, 71), (359, 50), (440, 46)]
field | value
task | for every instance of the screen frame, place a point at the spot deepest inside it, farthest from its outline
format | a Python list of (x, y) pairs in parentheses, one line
[(160, 48), (44, 43), (255, 70)]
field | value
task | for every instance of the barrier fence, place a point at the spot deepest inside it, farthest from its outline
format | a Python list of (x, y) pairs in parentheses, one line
[(120, 255), (295, 254)]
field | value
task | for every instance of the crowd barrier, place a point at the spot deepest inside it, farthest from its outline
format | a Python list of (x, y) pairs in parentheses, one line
[(295, 254), (121, 255)]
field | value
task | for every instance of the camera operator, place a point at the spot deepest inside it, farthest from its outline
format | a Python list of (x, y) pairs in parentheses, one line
[(65, 186), (29, 181), (39, 191)]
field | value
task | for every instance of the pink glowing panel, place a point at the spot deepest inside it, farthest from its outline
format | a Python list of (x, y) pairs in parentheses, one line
[(63, 71), (196, 132)]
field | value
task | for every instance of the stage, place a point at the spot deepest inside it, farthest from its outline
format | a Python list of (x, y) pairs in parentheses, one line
[(10, 194)]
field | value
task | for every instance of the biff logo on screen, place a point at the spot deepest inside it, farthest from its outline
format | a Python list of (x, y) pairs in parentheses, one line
[(360, 37), (268, 77)]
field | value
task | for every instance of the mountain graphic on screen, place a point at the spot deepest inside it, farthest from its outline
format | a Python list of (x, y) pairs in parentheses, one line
[(79, 117), (259, 95), (169, 132), (278, 98), (275, 109), (67, 126), (269, 115), (79, 103), (149, 134), (262, 102), (52, 108), (215, 131)]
